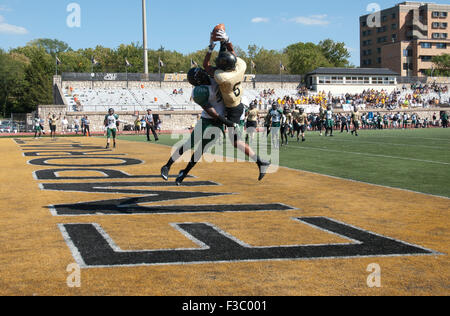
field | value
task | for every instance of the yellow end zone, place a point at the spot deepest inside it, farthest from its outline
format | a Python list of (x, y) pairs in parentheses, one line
[(34, 255)]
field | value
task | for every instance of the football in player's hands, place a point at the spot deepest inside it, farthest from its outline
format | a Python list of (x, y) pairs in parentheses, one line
[(214, 34)]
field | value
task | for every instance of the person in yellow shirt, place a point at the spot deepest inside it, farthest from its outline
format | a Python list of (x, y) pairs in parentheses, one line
[(252, 121)]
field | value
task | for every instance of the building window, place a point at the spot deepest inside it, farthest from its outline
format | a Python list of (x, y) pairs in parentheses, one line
[(426, 58), (444, 14), (407, 66), (394, 37), (444, 25), (435, 25), (384, 18), (444, 35), (394, 26), (436, 35), (379, 50), (394, 16), (379, 60), (441, 45), (407, 53), (435, 14), (364, 23), (426, 45)]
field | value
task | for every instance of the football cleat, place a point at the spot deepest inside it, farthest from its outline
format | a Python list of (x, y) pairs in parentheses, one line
[(181, 178), (263, 166), (165, 173)]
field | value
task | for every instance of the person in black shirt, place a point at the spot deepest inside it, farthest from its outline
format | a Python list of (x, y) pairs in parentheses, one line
[(150, 125)]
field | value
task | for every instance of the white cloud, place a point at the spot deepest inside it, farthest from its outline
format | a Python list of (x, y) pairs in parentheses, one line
[(320, 20), (6, 28), (4, 8), (260, 20)]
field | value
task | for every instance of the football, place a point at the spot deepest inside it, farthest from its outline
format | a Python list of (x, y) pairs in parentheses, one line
[(216, 29)]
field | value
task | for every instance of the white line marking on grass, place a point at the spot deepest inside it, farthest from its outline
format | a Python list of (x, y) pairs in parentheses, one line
[(370, 155), (383, 143), (412, 137)]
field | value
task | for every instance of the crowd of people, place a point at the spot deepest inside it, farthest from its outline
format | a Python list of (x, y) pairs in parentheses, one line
[(419, 95)]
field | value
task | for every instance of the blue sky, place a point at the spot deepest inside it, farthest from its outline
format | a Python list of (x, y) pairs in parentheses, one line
[(185, 25)]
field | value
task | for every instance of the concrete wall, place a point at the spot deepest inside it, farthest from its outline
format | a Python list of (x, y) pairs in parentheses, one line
[(170, 120)]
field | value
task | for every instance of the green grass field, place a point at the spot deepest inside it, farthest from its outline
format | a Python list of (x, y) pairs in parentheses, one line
[(417, 160)]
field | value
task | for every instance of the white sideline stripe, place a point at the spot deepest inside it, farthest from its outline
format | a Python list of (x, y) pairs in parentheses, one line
[(379, 143), (412, 137), (370, 155)]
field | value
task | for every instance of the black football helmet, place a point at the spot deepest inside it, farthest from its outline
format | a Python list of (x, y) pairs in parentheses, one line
[(226, 61), (198, 77)]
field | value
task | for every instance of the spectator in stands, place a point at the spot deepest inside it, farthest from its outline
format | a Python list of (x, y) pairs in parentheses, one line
[(150, 125)]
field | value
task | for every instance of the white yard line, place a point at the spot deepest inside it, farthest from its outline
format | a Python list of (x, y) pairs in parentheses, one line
[(370, 155), (380, 143)]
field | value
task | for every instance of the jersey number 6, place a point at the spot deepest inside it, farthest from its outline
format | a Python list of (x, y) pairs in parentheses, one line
[(236, 90)]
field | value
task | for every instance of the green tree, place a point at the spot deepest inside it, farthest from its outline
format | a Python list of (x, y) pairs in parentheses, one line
[(12, 80), (336, 53), (305, 57), (442, 64), (38, 77), (51, 46)]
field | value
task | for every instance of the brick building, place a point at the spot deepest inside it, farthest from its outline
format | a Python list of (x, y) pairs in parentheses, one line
[(405, 37)]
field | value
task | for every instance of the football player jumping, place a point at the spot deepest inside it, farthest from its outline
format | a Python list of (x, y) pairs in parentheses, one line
[(229, 75), (207, 94)]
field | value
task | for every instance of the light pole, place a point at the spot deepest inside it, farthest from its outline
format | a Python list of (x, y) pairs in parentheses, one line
[(144, 27)]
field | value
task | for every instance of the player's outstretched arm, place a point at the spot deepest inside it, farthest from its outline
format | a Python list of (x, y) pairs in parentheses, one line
[(207, 61), (225, 43)]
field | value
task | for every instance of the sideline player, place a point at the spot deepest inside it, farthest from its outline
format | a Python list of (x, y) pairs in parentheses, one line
[(356, 119), (276, 118), (329, 121), (229, 75), (302, 120), (207, 94), (111, 123), (37, 127), (252, 122)]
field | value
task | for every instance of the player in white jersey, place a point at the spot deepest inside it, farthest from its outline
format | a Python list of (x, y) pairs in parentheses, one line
[(329, 123), (111, 122), (229, 74)]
